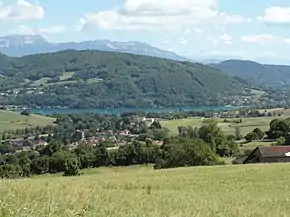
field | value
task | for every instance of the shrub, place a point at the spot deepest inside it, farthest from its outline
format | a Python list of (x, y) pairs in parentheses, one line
[(9, 171), (25, 112), (71, 167)]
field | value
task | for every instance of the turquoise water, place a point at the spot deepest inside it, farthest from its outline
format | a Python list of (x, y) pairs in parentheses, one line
[(117, 111)]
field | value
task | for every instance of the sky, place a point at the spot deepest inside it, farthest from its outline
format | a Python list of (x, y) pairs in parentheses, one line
[(258, 30)]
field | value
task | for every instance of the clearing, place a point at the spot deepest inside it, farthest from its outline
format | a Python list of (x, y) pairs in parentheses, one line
[(13, 120), (252, 145), (40, 82), (257, 94), (226, 191), (66, 76), (247, 125)]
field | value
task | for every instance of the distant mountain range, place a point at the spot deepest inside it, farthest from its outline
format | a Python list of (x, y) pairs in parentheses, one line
[(256, 73), (22, 45)]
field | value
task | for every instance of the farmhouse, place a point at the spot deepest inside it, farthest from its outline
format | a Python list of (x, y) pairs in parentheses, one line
[(274, 154)]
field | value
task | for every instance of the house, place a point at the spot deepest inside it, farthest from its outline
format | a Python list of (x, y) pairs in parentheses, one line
[(42, 143), (108, 132), (124, 133), (273, 154)]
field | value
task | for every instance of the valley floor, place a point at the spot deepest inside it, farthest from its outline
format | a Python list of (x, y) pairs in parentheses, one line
[(233, 191)]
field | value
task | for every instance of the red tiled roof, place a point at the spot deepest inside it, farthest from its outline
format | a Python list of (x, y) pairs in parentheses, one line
[(275, 151)]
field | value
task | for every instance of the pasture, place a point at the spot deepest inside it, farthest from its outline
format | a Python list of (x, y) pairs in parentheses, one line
[(247, 125), (13, 120), (66, 76), (226, 191)]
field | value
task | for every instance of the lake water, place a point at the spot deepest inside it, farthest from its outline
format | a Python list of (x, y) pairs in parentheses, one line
[(117, 111)]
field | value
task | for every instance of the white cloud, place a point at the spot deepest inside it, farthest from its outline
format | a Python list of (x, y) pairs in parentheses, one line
[(225, 18), (26, 30), (276, 15), (269, 54), (197, 30), (263, 38), (213, 40), (287, 40), (161, 14), (226, 38), (183, 40), (20, 11)]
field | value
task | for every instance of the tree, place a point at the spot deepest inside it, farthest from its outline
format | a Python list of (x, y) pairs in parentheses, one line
[(259, 132), (238, 135), (86, 155), (281, 141), (25, 112), (188, 132), (36, 138), (155, 125), (251, 137), (6, 148), (41, 165), (10, 171), (186, 152), (211, 134), (278, 128), (71, 167), (52, 148)]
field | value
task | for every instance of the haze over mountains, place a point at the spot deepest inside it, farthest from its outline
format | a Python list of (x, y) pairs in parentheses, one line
[(22, 45)]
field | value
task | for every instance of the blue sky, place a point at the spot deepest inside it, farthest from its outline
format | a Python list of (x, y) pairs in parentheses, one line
[(219, 29)]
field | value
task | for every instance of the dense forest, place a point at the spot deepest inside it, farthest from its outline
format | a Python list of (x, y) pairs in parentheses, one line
[(107, 79), (255, 73)]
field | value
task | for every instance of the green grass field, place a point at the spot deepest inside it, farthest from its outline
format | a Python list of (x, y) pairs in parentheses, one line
[(61, 83), (66, 76), (257, 93), (39, 82), (225, 191), (12, 120), (248, 124), (252, 145)]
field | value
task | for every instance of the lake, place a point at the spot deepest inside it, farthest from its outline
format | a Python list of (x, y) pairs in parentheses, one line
[(118, 111)]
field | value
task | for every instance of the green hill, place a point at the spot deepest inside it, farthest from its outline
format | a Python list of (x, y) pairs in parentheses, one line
[(228, 191), (13, 120), (106, 79), (256, 73)]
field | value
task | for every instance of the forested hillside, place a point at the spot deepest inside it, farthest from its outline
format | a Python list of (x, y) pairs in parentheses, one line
[(106, 79), (256, 73)]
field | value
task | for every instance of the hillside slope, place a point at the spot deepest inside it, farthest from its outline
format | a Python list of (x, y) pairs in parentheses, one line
[(21, 45), (228, 191), (13, 120), (107, 79), (256, 73)]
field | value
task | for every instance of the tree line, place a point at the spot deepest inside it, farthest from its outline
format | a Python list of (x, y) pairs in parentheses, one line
[(203, 146)]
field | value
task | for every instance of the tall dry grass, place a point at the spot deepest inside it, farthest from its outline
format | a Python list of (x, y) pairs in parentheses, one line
[(226, 191)]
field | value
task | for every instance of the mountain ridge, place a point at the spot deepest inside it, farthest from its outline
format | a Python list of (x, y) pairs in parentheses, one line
[(108, 79), (23, 45), (256, 73)]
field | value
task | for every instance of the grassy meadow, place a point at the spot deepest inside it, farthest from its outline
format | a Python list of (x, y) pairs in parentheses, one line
[(13, 120), (247, 125), (226, 191)]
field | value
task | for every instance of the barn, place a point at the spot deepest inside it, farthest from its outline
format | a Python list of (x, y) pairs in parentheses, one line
[(273, 154)]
